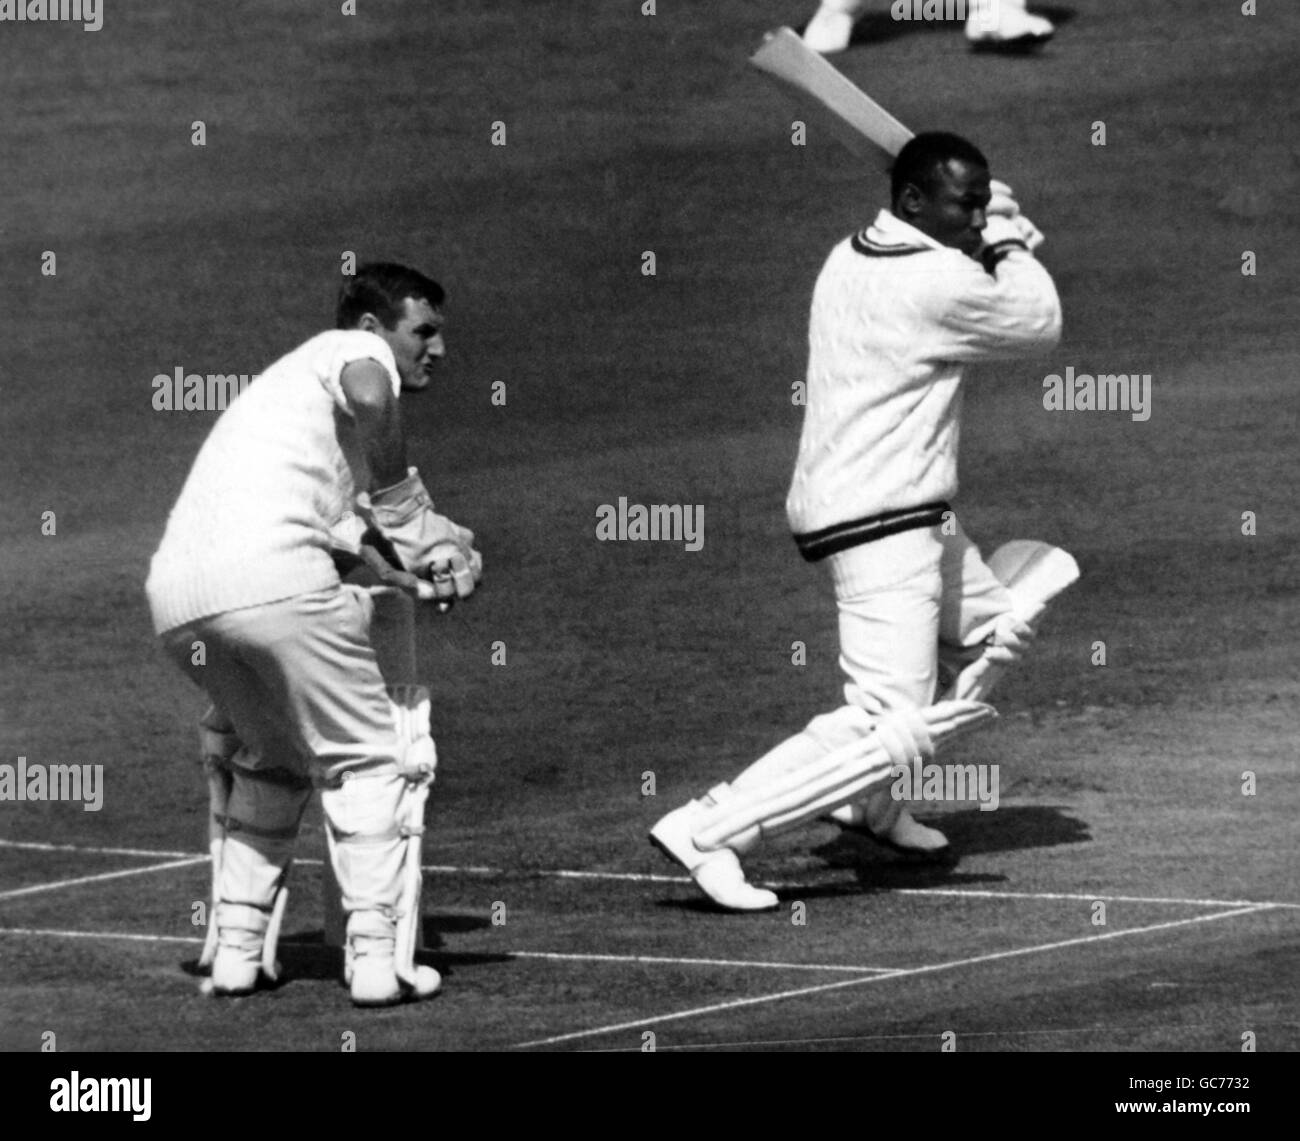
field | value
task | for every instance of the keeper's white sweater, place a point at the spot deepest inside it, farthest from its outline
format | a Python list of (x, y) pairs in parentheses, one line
[(280, 466), (895, 316)]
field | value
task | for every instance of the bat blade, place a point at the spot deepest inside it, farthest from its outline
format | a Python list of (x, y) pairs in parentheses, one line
[(852, 116)]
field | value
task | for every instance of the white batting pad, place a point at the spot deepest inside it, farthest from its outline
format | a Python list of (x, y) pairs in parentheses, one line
[(843, 775)]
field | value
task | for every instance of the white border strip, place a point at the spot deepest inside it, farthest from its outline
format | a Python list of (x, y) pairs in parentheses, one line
[(562, 957), (64, 933), (14, 893), (823, 988), (646, 877)]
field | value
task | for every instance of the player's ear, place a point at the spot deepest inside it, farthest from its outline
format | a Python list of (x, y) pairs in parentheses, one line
[(909, 201), (368, 322)]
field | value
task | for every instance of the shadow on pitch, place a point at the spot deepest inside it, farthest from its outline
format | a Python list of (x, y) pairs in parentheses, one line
[(970, 833)]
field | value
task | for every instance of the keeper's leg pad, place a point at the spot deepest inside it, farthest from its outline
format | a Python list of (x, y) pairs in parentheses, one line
[(375, 826), (738, 818), (260, 823), (1034, 573), (218, 743)]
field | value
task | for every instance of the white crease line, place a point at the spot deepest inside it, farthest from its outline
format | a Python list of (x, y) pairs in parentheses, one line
[(14, 893), (555, 955), (37, 846), (647, 877), (700, 962), (823, 988), (1087, 898), (60, 934)]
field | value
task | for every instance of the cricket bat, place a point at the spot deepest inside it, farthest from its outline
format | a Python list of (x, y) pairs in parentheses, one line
[(852, 116)]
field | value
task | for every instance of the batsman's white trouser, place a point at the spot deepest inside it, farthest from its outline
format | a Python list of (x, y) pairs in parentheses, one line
[(898, 597)]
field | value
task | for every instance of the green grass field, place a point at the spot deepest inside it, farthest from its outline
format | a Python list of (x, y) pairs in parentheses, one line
[(1121, 783)]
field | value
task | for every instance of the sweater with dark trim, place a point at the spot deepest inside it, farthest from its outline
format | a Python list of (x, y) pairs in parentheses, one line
[(895, 318)]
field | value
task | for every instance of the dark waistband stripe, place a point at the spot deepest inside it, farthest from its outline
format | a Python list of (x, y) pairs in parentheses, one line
[(817, 545)]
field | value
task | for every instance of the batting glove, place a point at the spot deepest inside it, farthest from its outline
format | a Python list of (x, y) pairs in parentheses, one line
[(1003, 202)]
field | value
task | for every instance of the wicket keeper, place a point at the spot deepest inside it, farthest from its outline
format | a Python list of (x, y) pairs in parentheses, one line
[(247, 601)]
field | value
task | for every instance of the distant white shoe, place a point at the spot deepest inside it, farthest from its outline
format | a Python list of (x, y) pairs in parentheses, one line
[(828, 31), (718, 874), (1007, 27)]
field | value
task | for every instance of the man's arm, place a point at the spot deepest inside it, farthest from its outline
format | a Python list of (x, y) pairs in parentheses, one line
[(1011, 310), (398, 503), (369, 391)]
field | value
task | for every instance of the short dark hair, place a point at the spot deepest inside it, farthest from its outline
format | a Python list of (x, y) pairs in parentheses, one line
[(381, 288), (924, 155)]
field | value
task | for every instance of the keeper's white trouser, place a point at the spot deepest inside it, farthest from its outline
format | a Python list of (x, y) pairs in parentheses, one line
[(298, 685)]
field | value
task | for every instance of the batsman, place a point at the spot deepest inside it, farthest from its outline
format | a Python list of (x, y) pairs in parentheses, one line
[(945, 277), (305, 470)]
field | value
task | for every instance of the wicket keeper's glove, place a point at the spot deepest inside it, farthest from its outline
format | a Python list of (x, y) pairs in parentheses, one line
[(422, 538)]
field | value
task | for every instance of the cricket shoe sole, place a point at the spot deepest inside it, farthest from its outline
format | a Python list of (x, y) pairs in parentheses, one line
[(718, 874), (375, 983)]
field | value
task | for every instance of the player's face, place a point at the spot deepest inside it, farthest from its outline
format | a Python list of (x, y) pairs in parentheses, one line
[(416, 341), (951, 210)]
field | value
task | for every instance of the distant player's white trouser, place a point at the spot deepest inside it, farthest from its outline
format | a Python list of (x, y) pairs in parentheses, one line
[(300, 701), (898, 598)]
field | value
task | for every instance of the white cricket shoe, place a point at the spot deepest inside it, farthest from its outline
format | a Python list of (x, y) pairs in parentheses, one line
[(237, 964), (373, 978), (1006, 26), (829, 31), (717, 874), (370, 966)]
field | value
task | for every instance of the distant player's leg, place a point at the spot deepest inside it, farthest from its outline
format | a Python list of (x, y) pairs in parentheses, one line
[(1004, 25), (831, 27)]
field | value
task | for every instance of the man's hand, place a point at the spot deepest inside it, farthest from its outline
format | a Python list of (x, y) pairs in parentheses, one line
[(454, 572), (372, 569), (1002, 201), (422, 539), (1003, 205)]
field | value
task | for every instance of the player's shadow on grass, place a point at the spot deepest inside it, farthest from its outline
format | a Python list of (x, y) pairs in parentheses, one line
[(970, 833), (879, 26)]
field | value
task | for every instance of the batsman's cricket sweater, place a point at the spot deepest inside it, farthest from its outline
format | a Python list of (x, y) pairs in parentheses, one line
[(281, 465), (895, 317)]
